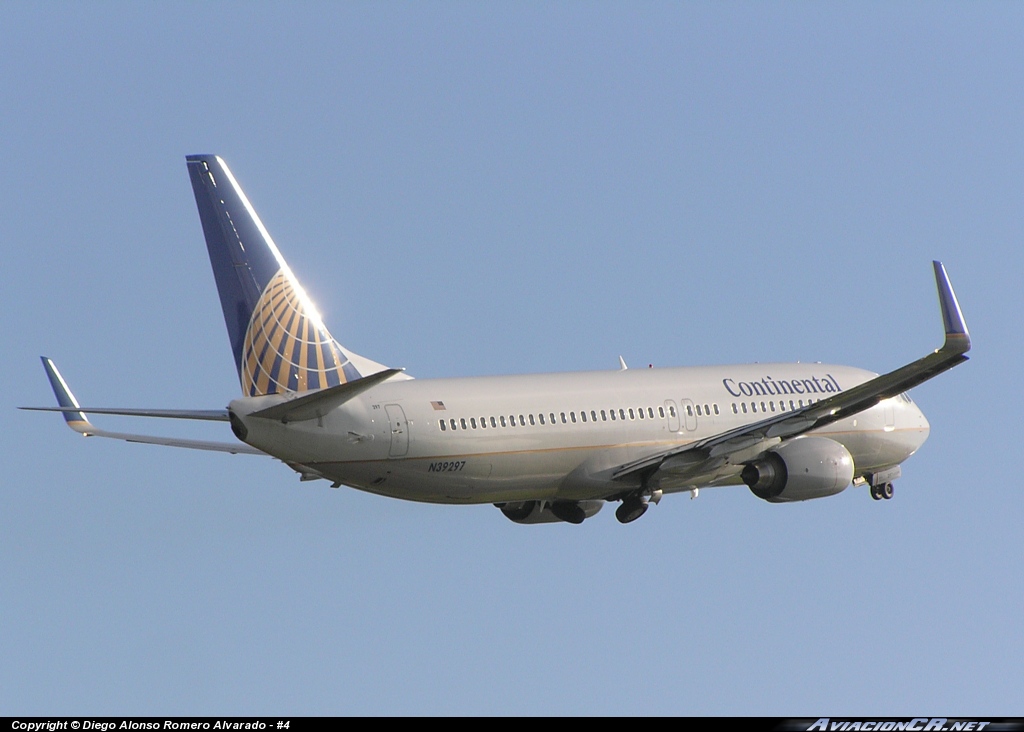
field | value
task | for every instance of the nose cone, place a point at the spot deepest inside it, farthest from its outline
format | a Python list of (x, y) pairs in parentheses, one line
[(920, 428)]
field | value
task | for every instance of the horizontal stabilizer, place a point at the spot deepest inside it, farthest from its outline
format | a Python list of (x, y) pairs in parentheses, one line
[(319, 403)]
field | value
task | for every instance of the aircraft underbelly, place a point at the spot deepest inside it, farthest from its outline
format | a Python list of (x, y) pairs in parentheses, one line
[(571, 474), (461, 479)]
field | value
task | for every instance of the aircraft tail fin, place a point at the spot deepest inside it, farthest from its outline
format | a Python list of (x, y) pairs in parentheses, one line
[(279, 342)]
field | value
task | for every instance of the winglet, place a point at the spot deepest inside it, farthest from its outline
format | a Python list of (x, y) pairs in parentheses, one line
[(958, 339), (76, 420)]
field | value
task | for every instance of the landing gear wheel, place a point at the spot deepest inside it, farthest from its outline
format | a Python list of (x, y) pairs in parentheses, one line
[(886, 491), (517, 512), (630, 510), (568, 511), (876, 492)]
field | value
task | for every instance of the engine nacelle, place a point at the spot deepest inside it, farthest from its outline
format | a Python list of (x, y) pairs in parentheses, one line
[(532, 512), (804, 468)]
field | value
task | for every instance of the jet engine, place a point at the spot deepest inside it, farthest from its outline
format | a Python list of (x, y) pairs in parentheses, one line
[(807, 467), (546, 512)]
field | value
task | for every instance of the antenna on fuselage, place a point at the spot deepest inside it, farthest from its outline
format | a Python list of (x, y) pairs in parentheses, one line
[(622, 364)]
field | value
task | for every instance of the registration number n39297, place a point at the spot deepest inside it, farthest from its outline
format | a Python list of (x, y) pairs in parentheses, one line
[(447, 466)]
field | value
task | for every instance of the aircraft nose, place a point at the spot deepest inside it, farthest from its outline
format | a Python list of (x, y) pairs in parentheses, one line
[(922, 428)]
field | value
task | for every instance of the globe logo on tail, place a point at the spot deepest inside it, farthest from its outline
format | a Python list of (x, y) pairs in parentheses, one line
[(287, 348)]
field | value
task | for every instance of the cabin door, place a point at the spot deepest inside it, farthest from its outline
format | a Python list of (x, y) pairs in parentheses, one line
[(689, 415), (399, 430), (673, 416)]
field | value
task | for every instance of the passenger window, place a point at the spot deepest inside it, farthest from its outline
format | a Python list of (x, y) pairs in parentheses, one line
[(671, 410), (444, 427), (698, 410), (452, 423), (631, 415), (650, 412), (463, 421), (689, 410), (604, 416), (583, 415), (622, 415), (791, 404), (493, 423), (563, 417), (531, 420), (743, 405), (593, 416), (572, 416), (707, 411), (472, 421), (640, 412), (613, 414), (522, 421), (661, 412), (734, 410), (503, 422), (753, 407), (541, 417), (716, 409), (763, 407), (772, 405), (552, 416)]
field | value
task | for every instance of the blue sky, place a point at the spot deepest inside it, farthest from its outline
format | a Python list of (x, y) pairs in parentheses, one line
[(497, 188)]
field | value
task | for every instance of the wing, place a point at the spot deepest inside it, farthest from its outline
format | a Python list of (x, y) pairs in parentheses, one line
[(76, 419), (746, 442)]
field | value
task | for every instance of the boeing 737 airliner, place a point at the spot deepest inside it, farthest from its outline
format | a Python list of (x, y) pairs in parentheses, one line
[(541, 447)]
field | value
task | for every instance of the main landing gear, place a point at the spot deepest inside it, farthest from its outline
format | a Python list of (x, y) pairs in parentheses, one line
[(882, 491), (631, 509), (635, 505)]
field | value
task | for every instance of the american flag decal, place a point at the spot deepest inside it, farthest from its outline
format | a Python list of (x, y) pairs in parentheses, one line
[(438, 406)]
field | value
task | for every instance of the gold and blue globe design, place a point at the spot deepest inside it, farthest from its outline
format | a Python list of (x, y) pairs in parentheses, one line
[(287, 348)]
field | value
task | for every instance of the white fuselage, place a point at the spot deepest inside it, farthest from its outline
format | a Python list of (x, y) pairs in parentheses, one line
[(560, 436)]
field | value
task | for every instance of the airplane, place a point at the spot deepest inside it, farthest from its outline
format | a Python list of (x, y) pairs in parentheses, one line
[(542, 448)]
